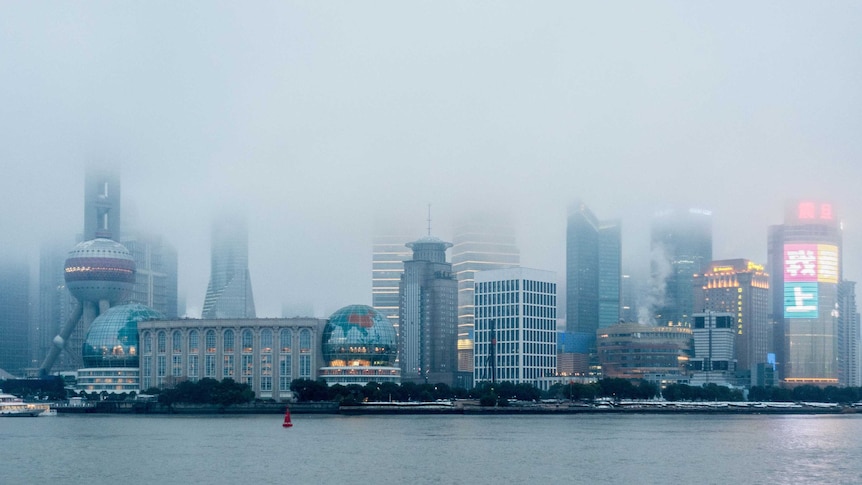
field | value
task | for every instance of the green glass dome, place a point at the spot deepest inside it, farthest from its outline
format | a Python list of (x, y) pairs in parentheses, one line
[(112, 340), (358, 335)]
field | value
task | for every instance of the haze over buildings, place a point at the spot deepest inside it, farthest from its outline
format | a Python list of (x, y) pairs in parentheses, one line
[(316, 119)]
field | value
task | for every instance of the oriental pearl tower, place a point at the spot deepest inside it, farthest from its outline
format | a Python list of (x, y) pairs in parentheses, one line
[(99, 272)]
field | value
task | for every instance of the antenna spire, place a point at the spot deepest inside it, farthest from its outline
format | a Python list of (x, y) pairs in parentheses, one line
[(429, 219)]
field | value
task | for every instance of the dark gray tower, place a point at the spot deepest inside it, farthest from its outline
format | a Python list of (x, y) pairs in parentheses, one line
[(14, 317), (681, 246), (593, 271), (229, 293), (428, 314), (101, 204)]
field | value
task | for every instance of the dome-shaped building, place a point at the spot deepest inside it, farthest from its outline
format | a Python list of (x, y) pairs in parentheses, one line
[(359, 345), (111, 350), (100, 269)]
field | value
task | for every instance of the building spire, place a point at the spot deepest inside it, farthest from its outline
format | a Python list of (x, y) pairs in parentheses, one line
[(429, 218)]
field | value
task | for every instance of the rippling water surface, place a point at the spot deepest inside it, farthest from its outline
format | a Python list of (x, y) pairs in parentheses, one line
[(640, 449)]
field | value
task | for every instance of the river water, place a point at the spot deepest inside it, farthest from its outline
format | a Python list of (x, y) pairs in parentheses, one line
[(324, 449)]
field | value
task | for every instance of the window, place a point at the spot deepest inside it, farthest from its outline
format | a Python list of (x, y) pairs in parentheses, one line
[(247, 341), (148, 343), (266, 340), (211, 341), (305, 366), (285, 372), (209, 366), (176, 365), (177, 342), (305, 341), (247, 369), (227, 369), (194, 342), (228, 340), (193, 366), (161, 345)]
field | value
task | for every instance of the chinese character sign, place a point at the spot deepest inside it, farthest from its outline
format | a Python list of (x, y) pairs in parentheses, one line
[(800, 262), (800, 300)]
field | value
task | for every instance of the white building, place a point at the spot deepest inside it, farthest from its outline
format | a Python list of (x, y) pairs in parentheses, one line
[(714, 336), (516, 323)]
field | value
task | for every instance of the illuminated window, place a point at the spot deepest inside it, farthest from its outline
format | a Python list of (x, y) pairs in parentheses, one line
[(247, 341)]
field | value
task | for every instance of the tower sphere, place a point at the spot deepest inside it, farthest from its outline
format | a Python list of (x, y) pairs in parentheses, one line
[(358, 335), (100, 269), (112, 340)]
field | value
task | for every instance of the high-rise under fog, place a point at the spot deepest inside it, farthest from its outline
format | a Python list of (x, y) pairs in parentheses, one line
[(480, 243), (229, 293)]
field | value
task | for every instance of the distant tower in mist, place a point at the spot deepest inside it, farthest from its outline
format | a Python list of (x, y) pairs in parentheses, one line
[(480, 243), (681, 246), (593, 271), (156, 272), (428, 315), (229, 293), (99, 272), (14, 317), (101, 203)]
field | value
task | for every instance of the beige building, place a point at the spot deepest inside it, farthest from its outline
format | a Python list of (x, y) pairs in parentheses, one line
[(266, 353)]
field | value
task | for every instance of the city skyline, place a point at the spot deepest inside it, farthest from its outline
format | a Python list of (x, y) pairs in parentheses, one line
[(627, 112)]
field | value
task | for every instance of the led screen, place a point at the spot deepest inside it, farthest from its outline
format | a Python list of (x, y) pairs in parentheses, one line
[(800, 300)]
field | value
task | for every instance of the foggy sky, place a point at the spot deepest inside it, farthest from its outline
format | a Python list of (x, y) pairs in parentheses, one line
[(317, 118)]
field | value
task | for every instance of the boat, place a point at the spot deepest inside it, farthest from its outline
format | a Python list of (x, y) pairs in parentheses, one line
[(287, 423), (13, 406)]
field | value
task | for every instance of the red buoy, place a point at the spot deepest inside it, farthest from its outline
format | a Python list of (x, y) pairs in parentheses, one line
[(287, 423)]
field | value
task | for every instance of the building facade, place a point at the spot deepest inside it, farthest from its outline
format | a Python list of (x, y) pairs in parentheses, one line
[(593, 271), (636, 351), (849, 328), (229, 293), (480, 243), (516, 326), (681, 246), (387, 265), (713, 358), (428, 315), (267, 354), (740, 287), (804, 257)]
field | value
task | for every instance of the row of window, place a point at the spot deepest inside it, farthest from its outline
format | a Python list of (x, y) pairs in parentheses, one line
[(247, 343), (247, 370)]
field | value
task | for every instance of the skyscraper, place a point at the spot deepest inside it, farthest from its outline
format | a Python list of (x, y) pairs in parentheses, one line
[(428, 315), (741, 288), (480, 243), (14, 317), (593, 271), (516, 326), (229, 293), (681, 246), (387, 265), (849, 358), (804, 257)]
